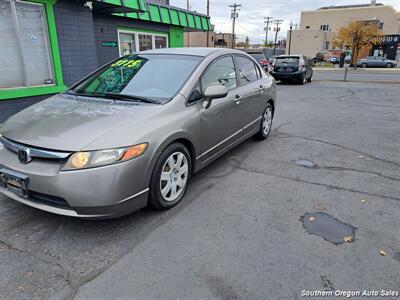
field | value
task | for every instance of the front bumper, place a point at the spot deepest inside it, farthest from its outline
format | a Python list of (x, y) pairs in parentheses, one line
[(103, 192)]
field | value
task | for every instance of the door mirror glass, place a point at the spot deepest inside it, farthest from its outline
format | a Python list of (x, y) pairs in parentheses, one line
[(215, 92)]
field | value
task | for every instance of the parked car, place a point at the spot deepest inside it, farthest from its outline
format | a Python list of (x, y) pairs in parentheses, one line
[(133, 132), (376, 61), (292, 68), (259, 56), (334, 59), (319, 57)]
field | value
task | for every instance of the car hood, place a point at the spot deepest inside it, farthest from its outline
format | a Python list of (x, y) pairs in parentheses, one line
[(70, 123)]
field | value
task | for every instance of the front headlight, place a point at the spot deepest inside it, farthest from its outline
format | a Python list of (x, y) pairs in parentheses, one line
[(91, 159)]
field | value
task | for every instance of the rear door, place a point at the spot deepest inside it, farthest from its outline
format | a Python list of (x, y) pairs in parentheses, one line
[(251, 89)]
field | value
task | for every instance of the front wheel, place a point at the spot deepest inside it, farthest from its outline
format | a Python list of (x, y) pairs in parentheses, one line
[(170, 177), (266, 123)]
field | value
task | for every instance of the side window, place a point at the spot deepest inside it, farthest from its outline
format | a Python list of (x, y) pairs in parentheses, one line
[(247, 70), (196, 94), (221, 72)]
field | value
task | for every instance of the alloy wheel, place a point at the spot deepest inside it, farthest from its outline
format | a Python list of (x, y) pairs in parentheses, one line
[(267, 121), (174, 176)]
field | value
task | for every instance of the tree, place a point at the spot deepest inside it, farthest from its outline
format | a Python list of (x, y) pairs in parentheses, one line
[(247, 42), (355, 35)]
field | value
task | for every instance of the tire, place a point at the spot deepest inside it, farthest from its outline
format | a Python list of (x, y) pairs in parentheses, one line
[(264, 131), (309, 79), (364, 65), (167, 165), (302, 80), (389, 65)]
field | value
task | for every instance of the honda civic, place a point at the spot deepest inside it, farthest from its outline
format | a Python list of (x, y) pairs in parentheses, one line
[(132, 133)]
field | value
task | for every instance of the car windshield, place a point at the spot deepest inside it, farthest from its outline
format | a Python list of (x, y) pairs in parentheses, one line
[(151, 77), (284, 61), (257, 56)]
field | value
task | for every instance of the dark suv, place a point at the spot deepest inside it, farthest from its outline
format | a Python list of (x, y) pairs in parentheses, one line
[(292, 68)]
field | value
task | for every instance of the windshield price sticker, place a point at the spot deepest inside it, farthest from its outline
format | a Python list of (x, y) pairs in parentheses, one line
[(127, 63)]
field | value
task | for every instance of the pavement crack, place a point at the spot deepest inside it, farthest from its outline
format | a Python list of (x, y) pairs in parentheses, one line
[(359, 171), (329, 186), (287, 135)]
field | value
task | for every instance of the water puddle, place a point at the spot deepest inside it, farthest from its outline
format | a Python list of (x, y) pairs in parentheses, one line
[(328, 227), (306, 163)]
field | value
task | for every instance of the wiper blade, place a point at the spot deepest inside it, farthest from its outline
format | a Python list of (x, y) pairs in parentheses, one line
[(129, 98)]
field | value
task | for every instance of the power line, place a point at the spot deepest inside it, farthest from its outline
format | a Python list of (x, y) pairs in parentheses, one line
[(234, 14)]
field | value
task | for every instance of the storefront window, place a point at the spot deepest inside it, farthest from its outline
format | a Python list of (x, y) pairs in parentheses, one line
[(131, 41), (160, 41), (145, 42), (127, 43), (24, 48)]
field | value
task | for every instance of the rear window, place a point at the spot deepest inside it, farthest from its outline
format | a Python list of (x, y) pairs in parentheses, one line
[(257, 56), (291, 61)]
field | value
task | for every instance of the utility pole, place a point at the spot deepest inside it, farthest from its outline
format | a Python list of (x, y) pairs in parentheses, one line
[(208, 14), (290, 35), (234, 14), (267, 21), (277, 22)]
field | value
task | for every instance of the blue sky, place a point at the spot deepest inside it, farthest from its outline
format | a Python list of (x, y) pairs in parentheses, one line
[(252, 13)]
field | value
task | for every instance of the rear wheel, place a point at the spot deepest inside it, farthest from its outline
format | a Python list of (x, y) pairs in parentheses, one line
[(170, 177), (302, 80), (266, 123), (389, 65), (364, 65)]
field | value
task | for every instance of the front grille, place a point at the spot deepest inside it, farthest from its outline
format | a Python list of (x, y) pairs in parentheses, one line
[(47, 200)]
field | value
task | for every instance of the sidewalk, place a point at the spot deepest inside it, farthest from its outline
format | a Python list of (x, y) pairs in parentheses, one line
[(351, 69)]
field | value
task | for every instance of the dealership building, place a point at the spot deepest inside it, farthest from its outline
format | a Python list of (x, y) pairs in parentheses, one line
[(47, 45)]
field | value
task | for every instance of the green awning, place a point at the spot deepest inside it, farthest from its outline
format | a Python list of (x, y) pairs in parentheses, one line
[(154, 12)]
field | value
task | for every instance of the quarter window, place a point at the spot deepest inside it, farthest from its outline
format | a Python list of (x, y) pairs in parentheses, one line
[(247, 70), (221, 72)]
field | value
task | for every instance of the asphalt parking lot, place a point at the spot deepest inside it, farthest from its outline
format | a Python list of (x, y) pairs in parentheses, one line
[(334, 149)]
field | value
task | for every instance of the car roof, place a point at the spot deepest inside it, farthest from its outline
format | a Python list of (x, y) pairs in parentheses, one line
[(196, 51), (291, 55)]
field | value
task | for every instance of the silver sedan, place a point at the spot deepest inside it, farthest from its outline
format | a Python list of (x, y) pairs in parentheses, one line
[(132, 133), (376, 61)]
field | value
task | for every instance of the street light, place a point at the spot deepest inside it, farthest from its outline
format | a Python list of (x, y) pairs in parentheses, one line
[(290, 34)]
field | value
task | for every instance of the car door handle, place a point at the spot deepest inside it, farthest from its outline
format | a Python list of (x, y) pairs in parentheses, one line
[(260, 89), (238, 99)]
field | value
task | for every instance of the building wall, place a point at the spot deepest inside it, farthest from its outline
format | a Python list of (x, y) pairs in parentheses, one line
[(76, 40), (199, 39), (340, 17), (106, 29)]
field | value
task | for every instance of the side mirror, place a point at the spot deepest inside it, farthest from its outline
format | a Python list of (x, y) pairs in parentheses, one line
[(215, 92)]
